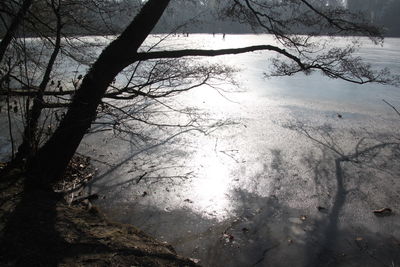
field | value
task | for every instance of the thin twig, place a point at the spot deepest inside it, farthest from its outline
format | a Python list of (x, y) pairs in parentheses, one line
[(141, 177), (390, 105)]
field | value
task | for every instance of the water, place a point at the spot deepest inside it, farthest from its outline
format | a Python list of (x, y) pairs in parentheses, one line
[(247, 193)]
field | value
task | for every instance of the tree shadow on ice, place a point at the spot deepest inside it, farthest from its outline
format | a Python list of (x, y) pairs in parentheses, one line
[(263, 232), (265, 229), (355, 169), (150, 162), (159, 158), (236, 241)]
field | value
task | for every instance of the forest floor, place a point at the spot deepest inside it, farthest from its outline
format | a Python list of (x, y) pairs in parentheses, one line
[(42, 228)]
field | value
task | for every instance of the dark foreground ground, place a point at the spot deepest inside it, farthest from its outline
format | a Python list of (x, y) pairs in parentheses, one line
[(40, 228)]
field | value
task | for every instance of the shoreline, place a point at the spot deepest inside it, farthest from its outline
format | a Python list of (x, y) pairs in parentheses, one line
[(40, 228)]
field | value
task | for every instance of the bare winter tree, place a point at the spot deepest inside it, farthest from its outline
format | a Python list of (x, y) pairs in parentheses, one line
[(33, 65), (283, 19)]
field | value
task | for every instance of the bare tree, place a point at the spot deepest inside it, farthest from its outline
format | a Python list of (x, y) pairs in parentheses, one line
[(284, 19), (34, 62)]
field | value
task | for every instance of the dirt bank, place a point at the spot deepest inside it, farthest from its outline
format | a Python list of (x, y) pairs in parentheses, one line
[(39, 228)]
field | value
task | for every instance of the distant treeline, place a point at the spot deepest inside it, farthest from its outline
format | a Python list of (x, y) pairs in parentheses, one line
[(106, 17)]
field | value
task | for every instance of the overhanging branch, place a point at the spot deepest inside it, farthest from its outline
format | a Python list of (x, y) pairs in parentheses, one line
[(33, 92), (212, 53)]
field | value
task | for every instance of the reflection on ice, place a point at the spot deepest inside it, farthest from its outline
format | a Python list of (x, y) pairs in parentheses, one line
[(213, 187), (260, 173), (260, 109), (256, 176)]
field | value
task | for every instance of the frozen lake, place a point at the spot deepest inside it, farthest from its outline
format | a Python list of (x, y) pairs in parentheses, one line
[(285, 181), (275, 187)]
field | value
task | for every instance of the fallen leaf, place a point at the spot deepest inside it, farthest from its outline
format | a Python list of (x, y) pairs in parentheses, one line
[(383, 212)]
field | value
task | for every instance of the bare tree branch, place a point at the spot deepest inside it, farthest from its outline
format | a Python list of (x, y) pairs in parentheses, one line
[(213, 53), (390, 105)]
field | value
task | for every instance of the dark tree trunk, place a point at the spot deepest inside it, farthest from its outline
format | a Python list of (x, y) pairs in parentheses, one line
[(13, 27), (51, 160)]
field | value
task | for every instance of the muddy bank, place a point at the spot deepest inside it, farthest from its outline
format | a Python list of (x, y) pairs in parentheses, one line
[(40, 228)]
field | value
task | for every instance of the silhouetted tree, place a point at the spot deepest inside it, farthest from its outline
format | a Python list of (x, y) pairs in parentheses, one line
[(283, 19), (53, 22)]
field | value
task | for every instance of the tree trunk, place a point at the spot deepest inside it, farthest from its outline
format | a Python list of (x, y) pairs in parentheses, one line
[(51, 160), (13, 27)]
